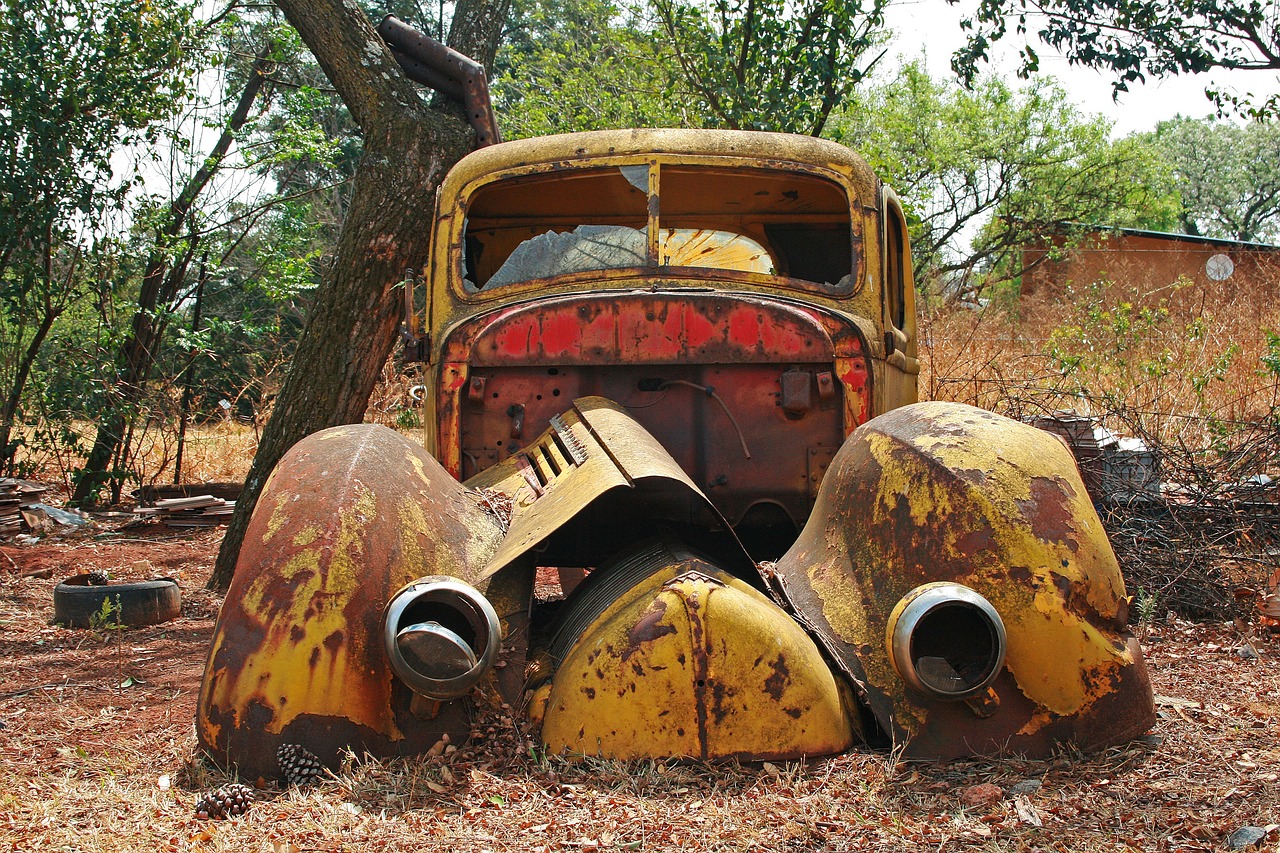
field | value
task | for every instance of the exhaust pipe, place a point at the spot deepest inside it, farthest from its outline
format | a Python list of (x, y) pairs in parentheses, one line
[(442, 636), (946, 641)]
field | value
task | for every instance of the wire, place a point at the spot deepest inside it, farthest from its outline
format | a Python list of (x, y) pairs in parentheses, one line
[(711, 392)]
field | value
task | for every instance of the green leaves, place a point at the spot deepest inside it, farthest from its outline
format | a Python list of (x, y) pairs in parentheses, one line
[(983, 173), (1134, 39), (772, 64), (571, 65), (1228, 176)]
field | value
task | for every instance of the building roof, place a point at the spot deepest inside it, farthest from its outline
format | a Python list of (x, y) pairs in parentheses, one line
[(1178, 237)]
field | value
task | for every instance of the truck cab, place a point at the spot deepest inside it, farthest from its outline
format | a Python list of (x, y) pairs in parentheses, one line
[(747, 297), (678, 368)]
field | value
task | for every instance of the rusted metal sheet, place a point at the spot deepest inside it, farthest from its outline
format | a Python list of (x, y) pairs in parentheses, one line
[(692, 662), (349, 516), (945, 492), (559, 476), (651, 329), (433, 64), (658, 355)]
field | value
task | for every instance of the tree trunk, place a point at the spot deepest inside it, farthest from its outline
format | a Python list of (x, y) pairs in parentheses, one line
[(9, 413), (408, 148)]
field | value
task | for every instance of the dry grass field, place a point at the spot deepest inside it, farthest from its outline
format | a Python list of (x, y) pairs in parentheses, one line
[(97, 750), (99, 756)]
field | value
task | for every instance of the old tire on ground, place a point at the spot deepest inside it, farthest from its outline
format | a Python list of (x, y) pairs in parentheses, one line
[(76, 602)]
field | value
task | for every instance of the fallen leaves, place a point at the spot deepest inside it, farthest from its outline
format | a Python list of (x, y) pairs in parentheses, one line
[(981, 796), (84, 765)]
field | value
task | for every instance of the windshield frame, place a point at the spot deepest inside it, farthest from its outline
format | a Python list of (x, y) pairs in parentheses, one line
[(673, 276)]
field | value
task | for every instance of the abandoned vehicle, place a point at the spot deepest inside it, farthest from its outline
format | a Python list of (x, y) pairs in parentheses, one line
[(675, 495)]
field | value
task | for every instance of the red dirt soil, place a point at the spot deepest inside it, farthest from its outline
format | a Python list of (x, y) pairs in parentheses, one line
[(99, 754)]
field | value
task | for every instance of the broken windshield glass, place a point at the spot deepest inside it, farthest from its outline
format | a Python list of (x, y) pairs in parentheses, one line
[(587, 247)]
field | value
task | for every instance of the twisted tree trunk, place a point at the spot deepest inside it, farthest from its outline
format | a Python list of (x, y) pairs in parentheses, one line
[(408, 148)]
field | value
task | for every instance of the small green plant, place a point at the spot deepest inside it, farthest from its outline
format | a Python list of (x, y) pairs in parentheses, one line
[(1145, 604), (108, 621), (108, 616)]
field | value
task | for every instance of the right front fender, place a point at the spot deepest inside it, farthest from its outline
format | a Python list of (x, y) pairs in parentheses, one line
[(945, 493)]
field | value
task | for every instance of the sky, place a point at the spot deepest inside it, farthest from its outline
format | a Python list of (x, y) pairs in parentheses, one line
[(932, 28)]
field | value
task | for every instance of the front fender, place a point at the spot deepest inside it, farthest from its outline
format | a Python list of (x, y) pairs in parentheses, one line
[(941, 492)]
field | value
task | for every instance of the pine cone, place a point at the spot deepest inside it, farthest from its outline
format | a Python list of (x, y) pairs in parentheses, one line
[(98, 577), (227, 801), (298, 765)]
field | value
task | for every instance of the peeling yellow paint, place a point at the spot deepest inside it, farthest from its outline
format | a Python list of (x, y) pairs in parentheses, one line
[(277, 520), (942, 492), (722, 672), (308, 534)]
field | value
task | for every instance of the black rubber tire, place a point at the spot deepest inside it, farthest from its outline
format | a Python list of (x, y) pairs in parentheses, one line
[(76, 602)]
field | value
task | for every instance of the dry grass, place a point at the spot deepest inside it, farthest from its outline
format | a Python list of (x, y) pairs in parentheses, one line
[(93, 766), (1162, 363), (217, 451)]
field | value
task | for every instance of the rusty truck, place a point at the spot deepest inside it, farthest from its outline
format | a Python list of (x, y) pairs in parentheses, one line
[(675, 497)]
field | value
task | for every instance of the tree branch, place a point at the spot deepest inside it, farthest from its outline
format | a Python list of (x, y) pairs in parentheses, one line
[(353, 57)]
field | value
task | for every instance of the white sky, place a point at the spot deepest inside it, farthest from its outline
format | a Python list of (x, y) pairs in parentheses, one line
[(932, 28)]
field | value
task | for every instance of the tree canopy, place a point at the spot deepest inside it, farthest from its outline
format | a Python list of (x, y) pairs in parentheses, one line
[(1226, 175), (570, 65), (982, 173), (1133, 39), (772, 64)]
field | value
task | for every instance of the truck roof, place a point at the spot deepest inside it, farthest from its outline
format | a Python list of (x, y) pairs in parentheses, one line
[(766, 149)]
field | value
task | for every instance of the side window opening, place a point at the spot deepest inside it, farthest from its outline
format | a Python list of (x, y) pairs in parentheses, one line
[(896, 264)]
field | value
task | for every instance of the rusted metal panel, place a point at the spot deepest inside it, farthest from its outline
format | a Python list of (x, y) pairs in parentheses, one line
[(433, 64), (616, 452), (653, 353), (945, 492), (693, 662), (350, 515), (650, 329)]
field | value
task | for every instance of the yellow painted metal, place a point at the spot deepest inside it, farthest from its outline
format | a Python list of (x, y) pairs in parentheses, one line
[(945, 492), (349, 516), (616, 453), (695, 663), (452, 304)]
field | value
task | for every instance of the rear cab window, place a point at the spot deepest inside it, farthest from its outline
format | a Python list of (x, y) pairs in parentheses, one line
[(761, 226)]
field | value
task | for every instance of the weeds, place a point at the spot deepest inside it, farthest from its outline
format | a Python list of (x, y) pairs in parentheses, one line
[(1194, 374)]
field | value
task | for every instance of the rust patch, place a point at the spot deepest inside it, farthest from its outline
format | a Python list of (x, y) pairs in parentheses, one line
[(720, 707), (777, 682), (1063, 583), (334, 641), (972, 476), (976, 541), (1049, 512), (648, 629), (701, 667)]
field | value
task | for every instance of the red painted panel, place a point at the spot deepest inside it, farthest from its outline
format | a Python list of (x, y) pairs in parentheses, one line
[(698, 328), (561, 335), (633, 328)]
